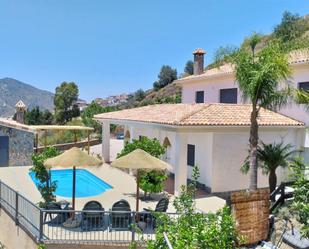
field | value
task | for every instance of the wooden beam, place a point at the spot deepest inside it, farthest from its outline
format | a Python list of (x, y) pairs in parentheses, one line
[(75, 137), (45, 139), (88, 136), (36, 142)]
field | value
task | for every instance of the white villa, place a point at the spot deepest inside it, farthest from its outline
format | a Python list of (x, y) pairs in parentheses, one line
[(210, 128)]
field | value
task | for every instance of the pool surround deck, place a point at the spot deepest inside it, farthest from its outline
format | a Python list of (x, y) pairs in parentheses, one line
[(124, 187)]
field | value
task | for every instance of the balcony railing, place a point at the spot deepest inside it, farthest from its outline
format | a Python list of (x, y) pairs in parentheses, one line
[(78, 227)]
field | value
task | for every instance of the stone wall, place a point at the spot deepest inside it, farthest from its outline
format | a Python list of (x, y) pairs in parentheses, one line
[(20, 146)]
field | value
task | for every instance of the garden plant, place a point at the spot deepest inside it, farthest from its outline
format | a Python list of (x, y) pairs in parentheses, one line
[(45, 186)]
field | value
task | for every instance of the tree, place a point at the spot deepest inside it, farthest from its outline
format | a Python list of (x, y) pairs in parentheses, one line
[(139, 95), (65, 96), (91, 110), (38, 117), (45, 187), (258, 76), (292, 26), (222, 53), (189, 68), (150, 182), (166, 76), (271, 157)]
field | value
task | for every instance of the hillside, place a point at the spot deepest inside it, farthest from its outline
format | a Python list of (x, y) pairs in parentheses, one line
[(12, 90), (168, 94), (292, 33)]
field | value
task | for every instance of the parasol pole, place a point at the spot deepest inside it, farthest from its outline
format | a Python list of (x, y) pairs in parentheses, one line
[(74, 185), (137, 191)]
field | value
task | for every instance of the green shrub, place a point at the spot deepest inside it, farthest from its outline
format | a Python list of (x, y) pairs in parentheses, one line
[(192, 230), (301, 194), (41, 173), (41, 246)]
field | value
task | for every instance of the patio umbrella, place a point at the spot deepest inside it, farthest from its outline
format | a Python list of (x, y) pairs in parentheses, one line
[(140, 160), (73, 157)]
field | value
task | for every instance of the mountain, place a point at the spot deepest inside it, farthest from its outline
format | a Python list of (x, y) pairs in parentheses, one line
[(12, 90)]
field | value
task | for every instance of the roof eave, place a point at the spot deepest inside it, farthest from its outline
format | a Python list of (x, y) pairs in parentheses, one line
[(180, 126), (201, 77)]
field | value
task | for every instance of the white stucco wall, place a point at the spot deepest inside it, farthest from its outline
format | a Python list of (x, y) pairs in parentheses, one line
[(203, 149), (229, 151), (211, 88), (203, 155), (219, 153)]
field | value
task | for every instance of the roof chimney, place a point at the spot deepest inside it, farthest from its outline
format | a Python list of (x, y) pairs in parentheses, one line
[(20, 108), (198, 67)]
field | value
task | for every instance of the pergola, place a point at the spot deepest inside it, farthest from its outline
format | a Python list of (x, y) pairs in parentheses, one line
[(45, 128)]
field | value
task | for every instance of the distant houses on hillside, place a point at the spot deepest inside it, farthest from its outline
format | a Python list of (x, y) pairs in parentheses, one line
[(113, 100)]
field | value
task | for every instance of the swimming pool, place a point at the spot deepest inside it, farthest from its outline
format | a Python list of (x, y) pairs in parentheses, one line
[(87, 184)]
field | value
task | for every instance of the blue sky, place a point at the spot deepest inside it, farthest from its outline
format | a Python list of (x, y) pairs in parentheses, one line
[(115, 46)]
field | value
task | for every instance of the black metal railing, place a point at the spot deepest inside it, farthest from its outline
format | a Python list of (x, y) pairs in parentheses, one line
[(73, 226), (105, 227), (20, 209), (279, 195)]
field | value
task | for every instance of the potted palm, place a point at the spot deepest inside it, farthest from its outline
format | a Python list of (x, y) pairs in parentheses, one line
[(258, 74)]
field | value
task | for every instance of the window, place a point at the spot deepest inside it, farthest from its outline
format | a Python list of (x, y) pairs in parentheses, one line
[(228, 95), (303, 86), (191, 155), (199, 97)]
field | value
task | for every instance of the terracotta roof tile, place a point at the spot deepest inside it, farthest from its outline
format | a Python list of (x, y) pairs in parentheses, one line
[(199, 115)]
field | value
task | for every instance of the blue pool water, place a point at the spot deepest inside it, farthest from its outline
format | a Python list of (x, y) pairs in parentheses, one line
[(87, 184)]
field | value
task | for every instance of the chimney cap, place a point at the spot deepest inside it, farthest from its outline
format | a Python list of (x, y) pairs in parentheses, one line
[(20, 104), (199, 51)]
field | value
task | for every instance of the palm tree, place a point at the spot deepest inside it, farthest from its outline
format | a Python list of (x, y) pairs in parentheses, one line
[(258, 75), (273, 156)]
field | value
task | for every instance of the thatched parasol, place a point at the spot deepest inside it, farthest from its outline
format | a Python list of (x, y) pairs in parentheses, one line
[(140, 160), (73, 157)]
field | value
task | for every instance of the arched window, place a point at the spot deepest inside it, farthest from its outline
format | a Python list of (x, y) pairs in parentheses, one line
[(127, 135), (167, 145)]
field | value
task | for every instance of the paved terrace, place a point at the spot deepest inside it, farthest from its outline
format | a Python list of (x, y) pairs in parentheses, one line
[(124, 187)]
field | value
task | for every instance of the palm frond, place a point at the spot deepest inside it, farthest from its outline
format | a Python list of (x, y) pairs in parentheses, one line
[(302, 97)]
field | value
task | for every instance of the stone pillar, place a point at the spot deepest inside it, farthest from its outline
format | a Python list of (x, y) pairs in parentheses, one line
[(181, 170), (251, 211), (131, 130), (106, 141)]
